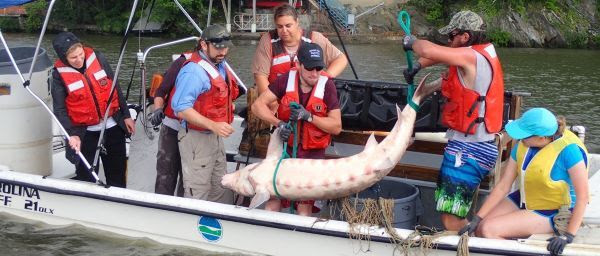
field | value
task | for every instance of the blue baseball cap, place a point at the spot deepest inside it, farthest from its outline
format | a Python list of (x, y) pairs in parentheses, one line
[(534, 122)]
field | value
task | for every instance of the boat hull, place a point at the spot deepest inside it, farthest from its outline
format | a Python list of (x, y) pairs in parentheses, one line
[(207, 225)]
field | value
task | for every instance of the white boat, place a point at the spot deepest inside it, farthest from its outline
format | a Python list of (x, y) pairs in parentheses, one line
[(136, 212), (229, 228)]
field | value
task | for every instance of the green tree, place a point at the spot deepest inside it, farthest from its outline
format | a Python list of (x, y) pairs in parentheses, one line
[(174, 20), (36, 11)]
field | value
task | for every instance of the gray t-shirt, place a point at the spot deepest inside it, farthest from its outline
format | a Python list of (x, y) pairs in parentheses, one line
[(483, 79)]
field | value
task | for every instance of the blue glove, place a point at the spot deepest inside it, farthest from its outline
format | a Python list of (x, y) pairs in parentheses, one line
[(284, 131), (409, 75), (407, 42), (157, 116), (300, 113), (557, 244), (471, 226)]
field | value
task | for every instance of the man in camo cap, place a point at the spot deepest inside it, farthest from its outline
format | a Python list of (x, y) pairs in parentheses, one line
[(474, 89), (464, 20)]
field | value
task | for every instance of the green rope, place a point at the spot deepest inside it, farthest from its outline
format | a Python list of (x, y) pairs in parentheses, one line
[(404, 21), (285, 155)]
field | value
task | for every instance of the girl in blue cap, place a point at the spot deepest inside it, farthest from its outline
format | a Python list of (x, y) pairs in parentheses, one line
[(552, 167)]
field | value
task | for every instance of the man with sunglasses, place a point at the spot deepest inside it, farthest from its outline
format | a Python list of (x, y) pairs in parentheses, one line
[(203, 98), (474, 89), (317, 111)]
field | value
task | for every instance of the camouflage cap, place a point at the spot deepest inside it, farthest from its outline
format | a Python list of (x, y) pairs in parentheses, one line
[(464, 20), (217, 35)]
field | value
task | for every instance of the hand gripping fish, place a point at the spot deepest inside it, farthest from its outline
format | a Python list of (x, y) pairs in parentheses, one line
[(332, 178)]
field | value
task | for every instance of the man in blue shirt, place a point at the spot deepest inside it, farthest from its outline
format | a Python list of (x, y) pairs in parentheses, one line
[(203, 99)]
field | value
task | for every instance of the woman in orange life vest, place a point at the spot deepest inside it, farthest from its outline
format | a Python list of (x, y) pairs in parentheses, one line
[(474, 89), (318, 117), (550, 163), (81, 86)]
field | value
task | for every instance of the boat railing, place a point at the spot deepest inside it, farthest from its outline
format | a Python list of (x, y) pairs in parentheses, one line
[(141, 57), (244, 22)]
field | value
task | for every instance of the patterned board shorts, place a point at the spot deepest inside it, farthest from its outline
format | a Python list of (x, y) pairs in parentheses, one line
[(464, 166)]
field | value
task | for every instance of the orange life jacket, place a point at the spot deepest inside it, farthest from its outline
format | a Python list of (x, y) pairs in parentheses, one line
[(461, 111), (281, 62), (193, 56), (87, 93), (311, 136), (217, 103)]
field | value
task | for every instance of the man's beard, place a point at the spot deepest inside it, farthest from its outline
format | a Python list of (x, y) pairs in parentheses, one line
[(218, 59)]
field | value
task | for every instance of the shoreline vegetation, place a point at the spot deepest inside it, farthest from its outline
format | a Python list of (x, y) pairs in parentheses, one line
[(511, 23)]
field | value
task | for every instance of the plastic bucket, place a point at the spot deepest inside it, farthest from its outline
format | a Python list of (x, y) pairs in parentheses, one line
[(407, 205)]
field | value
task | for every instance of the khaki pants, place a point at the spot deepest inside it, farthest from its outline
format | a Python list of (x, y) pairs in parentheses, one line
[(203, 165)]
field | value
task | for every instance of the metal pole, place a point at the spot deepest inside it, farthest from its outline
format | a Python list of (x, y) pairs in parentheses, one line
[(339, 37), (200, 30), (229, 16), (37, 48), (188, 16), (147, 51), (253, 26), (26, 85), (143, 93), (209, 12), (142, 60), (227, 25), (237, 78), (114, 85)]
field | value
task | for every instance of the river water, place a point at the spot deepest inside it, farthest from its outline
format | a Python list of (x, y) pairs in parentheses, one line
[(564, 81)]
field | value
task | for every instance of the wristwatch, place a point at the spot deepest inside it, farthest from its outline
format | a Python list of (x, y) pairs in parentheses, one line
[(309, 119)]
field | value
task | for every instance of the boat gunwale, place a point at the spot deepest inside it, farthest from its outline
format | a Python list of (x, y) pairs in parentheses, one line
[(244, 220)]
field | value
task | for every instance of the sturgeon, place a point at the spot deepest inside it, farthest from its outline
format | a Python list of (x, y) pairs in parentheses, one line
[(320, 179)]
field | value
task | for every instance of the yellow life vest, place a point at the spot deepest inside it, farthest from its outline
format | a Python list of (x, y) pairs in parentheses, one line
[(538, 190)]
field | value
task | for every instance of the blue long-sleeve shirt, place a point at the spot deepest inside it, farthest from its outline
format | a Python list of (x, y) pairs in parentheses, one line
[(191, 82)]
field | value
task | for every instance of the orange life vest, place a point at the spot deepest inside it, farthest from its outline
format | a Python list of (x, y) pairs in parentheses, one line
[(217, 103), (461, 111), (193, 56), (281, 61), (87, 93), (311, 136)]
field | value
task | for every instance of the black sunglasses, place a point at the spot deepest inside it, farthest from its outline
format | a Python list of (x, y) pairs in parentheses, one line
[(454, 33), (313, 68), (219, 39)]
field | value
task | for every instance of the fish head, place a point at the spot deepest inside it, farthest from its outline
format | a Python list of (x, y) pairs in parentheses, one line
[(239, 181)]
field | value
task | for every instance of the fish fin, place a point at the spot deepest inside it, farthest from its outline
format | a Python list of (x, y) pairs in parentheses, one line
[(371, 142), (275, 147), (423, 89), (398, 111), (261, 196)]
